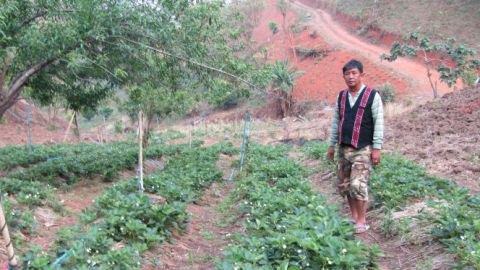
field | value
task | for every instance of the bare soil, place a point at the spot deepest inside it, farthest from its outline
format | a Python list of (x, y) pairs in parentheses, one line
[(208, 231), (444, 136)]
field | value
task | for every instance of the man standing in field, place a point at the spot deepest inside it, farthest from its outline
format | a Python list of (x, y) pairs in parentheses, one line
[(357, 129)]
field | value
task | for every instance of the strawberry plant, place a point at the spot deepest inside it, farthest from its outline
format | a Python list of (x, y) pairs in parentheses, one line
[(64, 164), (122, 223), (288, 225), (397, 181)]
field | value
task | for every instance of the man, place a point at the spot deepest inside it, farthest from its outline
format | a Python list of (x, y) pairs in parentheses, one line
[(357, 128)]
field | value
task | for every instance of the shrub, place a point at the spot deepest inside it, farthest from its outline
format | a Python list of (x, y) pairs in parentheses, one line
[(273, 27), (387, 92)]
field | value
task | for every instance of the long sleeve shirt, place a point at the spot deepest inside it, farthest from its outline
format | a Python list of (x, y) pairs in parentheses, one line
[(377, 114)]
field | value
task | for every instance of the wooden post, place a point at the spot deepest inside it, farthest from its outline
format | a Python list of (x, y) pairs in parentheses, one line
[(77, 127), (140, 151), (6, 236), (68, 128), (29, 132)]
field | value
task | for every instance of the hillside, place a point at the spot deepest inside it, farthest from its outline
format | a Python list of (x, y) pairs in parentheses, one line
[(314, 29), (435, 18), (442, 135)]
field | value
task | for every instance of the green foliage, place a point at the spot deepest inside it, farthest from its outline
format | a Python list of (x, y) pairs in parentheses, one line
[(27, 193), (396, 182), (387, 92), (273, 27), (64, 164), (105, 112), (18, 219), (223, 96), (123, 223), (89, 114), (81, 61), (318, 150), (283, 77), (118, 127), (289, 225), (464, 58), (172, 134)]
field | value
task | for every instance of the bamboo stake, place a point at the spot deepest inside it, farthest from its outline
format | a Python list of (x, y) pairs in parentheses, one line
[(68, 128), (140, 152), (29, 131), (6, 236)]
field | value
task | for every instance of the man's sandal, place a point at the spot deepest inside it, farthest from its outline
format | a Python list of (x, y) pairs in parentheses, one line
[(353, 222), (361, 229)]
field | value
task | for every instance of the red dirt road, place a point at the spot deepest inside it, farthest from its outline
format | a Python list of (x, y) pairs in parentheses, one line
[(337, 36)]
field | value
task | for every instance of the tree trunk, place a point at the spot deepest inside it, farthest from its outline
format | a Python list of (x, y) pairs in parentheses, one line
[(8, 97), (147, 130), (7, 104), (77, 127)]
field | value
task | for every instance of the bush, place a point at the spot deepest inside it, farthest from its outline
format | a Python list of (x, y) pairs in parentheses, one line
[(118, 127), (387, 92), (273, 27)]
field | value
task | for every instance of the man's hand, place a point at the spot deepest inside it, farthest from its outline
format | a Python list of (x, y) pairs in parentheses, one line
[(331, 153), (375, 156)]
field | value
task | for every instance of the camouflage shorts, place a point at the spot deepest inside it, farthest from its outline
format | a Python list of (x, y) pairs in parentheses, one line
[(354, 167)]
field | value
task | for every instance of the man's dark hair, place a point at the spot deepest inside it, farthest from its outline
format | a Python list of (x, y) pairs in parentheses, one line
[(353, 64)]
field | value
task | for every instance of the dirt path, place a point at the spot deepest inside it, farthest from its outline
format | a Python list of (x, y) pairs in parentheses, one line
[(208, 231), (409, 250), (336, 35)]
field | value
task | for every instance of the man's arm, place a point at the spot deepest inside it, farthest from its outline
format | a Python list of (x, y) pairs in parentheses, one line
[(334, 133), (377, 114)]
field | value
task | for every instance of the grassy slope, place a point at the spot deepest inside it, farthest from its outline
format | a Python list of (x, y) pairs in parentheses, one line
[(452, 18)]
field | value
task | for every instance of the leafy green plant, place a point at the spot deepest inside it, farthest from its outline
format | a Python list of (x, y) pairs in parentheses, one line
[(397, 181), (273, 27), (387, 92), (283, 80), (123, 223), (464, 58), (288, 225)]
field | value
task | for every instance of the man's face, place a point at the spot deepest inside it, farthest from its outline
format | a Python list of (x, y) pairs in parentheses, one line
[(353, 77)]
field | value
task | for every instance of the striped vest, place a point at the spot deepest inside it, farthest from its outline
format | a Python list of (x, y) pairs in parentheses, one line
[(355, 126)]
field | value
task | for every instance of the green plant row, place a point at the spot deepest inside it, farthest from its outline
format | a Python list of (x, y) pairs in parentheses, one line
[(123, 223), (19, 156), (396, 182), (288, 226), (64, 164), (21, 197)]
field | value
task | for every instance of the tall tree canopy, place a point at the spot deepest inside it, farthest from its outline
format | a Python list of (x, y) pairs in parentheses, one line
[(83, 50)]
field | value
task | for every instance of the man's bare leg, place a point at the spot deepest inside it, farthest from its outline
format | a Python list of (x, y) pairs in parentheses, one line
[(353, 208), (361, 209)]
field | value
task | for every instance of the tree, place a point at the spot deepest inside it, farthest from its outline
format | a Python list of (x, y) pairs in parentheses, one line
[(75, 49), (283, 80), (178, 70), (464, 61), (105, 112)]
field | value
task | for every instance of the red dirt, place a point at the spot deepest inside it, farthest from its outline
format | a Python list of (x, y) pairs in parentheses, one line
[(410, 69), (14, 130), (322, 78), (203, 240)]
